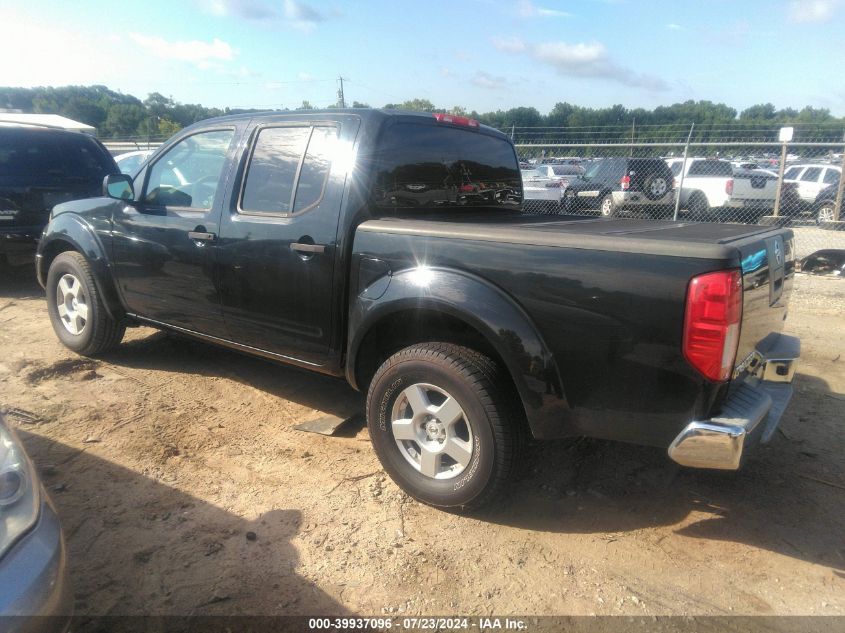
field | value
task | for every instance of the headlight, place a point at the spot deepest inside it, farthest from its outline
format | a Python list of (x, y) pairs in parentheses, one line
[(19, 500)]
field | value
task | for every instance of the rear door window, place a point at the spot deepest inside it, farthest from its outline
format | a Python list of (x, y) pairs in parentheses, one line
[(792, 173), (433, 166), (811, 174), (289, 169)]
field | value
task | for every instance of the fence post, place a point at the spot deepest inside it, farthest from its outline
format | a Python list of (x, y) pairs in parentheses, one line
[(781, 167), (683, 171), (837, 207)]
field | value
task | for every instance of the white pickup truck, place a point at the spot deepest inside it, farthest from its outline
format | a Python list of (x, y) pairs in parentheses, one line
[(712, 186)]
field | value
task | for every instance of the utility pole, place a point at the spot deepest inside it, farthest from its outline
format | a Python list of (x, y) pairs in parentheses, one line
[(341, 102)]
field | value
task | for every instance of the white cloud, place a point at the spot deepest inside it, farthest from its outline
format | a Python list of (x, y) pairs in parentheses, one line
[(674, 27), (563, 55), (488, 81), (509, 44), (302, 16), (196, 52), (528, 9), (249, 9), (584, 60), (809, 11)]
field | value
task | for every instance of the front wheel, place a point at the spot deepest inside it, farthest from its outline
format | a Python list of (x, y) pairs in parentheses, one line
[(438, 419), (76, 308)]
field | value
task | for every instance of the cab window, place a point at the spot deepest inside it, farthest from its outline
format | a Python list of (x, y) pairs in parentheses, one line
[(188, 174), (289, 169)]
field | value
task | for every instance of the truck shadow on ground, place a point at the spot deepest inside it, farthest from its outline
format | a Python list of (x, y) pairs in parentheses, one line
[(171, 352), (788, 498), (138, 546)]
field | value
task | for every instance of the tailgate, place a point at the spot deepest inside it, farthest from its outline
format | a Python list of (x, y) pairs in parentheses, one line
[(768, 269), (750, 186)]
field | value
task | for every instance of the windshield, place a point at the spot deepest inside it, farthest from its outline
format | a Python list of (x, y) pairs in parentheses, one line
[(530, 173)]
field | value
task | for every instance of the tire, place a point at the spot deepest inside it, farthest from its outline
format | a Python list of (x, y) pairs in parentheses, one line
[(569, 202), (825, 212), (76, 308), (607, 208), (699, 208), (408, 395), (656, 186)]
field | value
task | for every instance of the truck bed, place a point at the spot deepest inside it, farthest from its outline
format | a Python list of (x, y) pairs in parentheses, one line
[(608, 297)]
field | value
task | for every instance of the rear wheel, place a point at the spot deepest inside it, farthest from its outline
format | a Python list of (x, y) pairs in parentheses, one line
[(608, 207), (438, 420), (699, 208), (76, 309), (825, 213)]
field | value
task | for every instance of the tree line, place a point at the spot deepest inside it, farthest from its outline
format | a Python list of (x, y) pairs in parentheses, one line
[(118, 115)]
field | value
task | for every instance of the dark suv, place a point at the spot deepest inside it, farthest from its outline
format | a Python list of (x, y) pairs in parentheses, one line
[(610, 185), (41, 167)]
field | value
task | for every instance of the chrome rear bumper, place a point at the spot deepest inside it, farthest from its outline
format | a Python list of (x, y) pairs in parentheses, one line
[(751, 413)]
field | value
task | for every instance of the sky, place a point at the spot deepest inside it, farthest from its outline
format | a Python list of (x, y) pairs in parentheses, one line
[(480, 54)]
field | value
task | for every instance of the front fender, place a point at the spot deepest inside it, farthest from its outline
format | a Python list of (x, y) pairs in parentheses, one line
[(485, 308), (70, 231)]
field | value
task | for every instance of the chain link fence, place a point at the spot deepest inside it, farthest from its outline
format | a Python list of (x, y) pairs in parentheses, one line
[(796, 184)]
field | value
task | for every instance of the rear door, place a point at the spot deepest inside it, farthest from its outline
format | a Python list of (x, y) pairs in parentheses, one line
[(164, 245), (810, 183), (279, 237)]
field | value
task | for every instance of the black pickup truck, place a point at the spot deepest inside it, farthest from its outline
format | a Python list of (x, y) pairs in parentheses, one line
[(391, 247)]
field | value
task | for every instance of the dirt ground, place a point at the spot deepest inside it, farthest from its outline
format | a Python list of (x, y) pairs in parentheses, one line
[(184, 489)]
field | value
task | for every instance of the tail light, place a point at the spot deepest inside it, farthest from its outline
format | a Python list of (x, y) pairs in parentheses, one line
[(625, 182), (711, 323), (455, 120), (729, 186)]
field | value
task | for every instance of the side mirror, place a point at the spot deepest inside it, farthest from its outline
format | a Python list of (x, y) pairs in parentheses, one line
[(119, 187)]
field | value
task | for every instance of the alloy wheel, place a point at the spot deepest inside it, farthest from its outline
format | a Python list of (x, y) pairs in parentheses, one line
[(431, 431)]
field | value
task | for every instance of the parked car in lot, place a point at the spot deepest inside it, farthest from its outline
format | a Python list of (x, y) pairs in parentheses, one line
[(541, 187), (33, 560), (811, 179), (39, 168), (613, 185), (129, 162), (825, 203), (712, 186), (468, 323)]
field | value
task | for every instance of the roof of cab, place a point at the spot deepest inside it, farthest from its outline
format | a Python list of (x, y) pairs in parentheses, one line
[(363, 113)]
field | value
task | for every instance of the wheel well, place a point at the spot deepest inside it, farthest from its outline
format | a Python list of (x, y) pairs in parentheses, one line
[(404, 328), (53, 250)]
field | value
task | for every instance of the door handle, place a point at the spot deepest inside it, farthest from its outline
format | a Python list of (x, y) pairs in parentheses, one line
[(201, 236), (311, 249)]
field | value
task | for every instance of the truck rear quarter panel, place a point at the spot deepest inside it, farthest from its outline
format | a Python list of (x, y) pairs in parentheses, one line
[(612, 321)]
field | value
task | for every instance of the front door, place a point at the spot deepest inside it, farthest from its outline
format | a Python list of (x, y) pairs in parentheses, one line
[(164, 244), (279, 238)]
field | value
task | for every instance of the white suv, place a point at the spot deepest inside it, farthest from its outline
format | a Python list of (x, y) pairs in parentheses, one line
[(811, 179)]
